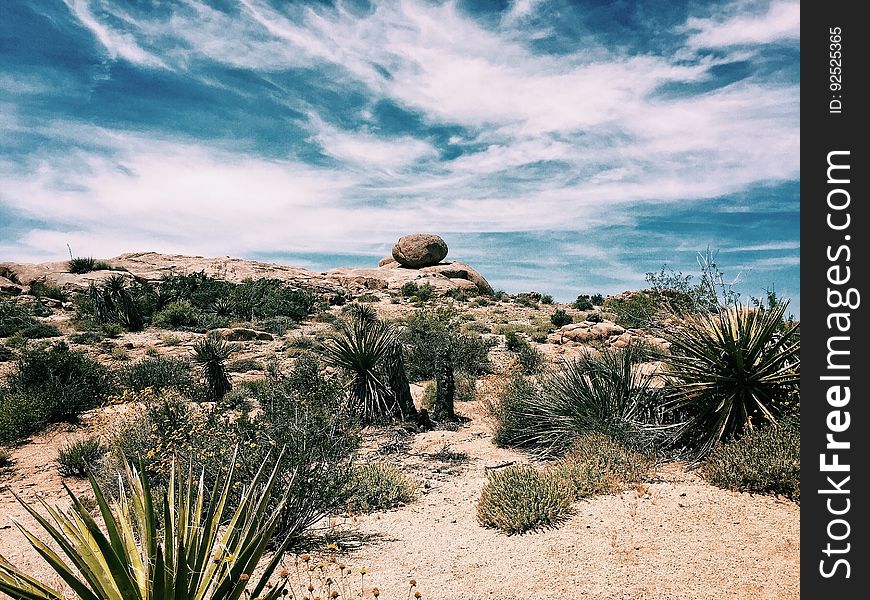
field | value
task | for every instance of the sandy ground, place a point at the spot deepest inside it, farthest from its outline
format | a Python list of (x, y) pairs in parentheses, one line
[(673, 537)]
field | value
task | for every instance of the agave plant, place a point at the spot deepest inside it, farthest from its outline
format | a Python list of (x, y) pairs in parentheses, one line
[(211, 353), (195, 557), (361, 348), (730, 371)]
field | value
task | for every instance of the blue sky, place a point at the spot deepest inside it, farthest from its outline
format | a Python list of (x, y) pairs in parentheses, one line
[(564, 147)]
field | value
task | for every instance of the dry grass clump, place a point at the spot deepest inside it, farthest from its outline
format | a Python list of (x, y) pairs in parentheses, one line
[(598, 464), (80, 456), (379, 486)]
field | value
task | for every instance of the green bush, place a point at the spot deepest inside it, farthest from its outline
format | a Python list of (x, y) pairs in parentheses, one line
[(378, 486), (5, 459), (368, 298), (605, 394), (244, 365), (176, 314), (303, 412), (64, 381), (80, 456), (514, 342), (546, 299), (519, 498), (39, 330), (764, 461), (530, 359), (14, 317), (6, 354), (583, 303), (597, 299), (211, 354), (158, 373), (560, 318), (41, 289), (21, 414)]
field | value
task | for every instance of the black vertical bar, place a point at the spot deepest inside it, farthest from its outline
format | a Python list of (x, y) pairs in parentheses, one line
[(834, 361)]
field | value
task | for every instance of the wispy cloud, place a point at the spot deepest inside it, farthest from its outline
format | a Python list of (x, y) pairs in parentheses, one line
[(781, 21)]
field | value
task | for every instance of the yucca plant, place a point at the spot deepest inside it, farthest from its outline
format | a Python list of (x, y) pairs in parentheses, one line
[(730, 371), (607, 394), (211, 353), (198, 555), (361, 348)]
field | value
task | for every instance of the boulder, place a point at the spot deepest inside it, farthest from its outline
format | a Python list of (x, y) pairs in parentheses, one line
[(419, 250), (243, 334), (388, 261)]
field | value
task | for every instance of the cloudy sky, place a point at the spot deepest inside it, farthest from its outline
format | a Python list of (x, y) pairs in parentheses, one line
[(559, 146)]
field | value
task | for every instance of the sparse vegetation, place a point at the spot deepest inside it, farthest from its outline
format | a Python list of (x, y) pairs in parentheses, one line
[(78, 457), (560, 318), (158, 373), (85, 264), (764, 461), (606, 394)]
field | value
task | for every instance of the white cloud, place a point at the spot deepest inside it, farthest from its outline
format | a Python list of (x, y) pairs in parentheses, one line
[(117, 44), (781, 21)]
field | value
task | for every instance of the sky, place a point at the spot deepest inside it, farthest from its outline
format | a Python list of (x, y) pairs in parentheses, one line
[(563, 147)]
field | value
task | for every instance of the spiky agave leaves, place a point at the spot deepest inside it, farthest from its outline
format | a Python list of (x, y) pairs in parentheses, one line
[(201, 553), (211, 353), (361, 347), (730, 371)]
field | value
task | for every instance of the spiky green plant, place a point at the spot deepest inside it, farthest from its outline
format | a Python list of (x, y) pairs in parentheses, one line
[(211, 353), (361, 348), (606, 394), (730, 371), (201, 553), (112, 302)]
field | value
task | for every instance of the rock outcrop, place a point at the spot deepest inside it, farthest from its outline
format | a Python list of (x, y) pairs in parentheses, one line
[(152, 266), (419, 250)]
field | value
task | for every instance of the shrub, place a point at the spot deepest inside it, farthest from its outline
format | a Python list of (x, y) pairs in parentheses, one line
[(21, 414), (188, 557), (80, 456), (64, 381), (560, 318), (14, 317), (39, 330), (606, 394), (368, 298), (530, 359), (764, 461), (158, 373), (597, 299), (378, 486), (6, 354), (514, 342), (583, 303), (211, 353), (546, 299), (41, 289), (111, 302), (598, 464), (730, 371), (519, 498), (277, 325), (86, 264), (5, 459), (176, 314)]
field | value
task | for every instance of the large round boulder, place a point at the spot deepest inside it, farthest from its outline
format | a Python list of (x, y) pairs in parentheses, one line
[(419, 250)]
